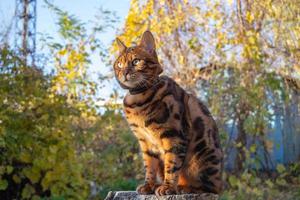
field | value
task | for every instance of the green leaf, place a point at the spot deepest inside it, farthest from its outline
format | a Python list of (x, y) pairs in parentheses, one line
[(253, 148), (16, 178), (25, 157), (9, 169), (270, 183), (281, 182), (233, 181), (280, 168), (27, 192), (33, 174), (3, 184)]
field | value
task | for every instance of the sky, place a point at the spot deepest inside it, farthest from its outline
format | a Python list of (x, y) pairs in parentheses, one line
[(85, 10)]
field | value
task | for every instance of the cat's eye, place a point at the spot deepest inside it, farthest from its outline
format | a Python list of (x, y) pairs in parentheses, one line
[(136, 61), (120, 65)]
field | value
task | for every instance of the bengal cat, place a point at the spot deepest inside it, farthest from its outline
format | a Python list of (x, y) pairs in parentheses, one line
[(177, 135)]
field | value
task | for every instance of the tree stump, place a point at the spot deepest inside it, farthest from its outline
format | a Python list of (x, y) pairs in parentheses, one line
[(132, 195)]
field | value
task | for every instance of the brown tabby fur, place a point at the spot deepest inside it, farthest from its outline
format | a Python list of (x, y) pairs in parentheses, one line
[(177, 135)]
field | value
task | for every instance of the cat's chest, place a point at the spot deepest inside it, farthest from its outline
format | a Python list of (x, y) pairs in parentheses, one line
[(137, 120)]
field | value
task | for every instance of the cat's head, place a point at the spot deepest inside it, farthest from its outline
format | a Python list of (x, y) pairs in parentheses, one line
[(137, 66)]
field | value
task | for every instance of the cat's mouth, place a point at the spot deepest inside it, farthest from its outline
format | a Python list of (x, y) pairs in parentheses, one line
[(129, 81), (134, 81)]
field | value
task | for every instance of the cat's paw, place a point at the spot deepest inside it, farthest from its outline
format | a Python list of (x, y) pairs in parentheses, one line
[(146, 188), (165, 189)]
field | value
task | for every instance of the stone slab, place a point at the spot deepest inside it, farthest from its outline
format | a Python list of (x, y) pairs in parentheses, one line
[(132, 195)]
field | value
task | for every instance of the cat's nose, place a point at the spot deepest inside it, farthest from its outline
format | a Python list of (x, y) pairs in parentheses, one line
[(127, 77), (126, 74)]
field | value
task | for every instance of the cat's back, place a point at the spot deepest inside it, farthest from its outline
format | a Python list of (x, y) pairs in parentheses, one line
[(196, 120)]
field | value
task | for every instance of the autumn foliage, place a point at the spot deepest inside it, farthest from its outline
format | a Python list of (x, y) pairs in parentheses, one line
[(241, 57)]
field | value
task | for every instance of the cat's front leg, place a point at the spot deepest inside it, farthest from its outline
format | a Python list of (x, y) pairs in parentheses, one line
[(151, 162), (175, 148)]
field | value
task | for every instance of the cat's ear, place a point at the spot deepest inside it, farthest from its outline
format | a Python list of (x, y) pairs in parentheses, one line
[(121, 45), (148, 42)]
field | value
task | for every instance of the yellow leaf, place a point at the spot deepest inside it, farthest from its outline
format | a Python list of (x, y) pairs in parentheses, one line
[(230, 2), (62, 52), (249, 17), (238, 145), (253, 148)]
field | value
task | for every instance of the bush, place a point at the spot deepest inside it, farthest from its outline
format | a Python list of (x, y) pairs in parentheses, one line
[(38, 155)]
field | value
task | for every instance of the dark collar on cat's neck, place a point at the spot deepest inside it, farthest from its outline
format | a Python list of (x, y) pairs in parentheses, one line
[(142, 89)]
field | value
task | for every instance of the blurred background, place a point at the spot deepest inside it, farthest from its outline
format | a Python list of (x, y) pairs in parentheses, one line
[(62, 132)]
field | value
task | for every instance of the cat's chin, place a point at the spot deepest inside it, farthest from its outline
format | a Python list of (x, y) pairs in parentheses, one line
[(127, 85), (134, 85)]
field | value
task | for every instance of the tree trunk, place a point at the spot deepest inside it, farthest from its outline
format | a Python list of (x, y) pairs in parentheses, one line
[(241, 141)]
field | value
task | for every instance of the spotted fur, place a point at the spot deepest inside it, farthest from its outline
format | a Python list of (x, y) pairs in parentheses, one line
[(177, 135)]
